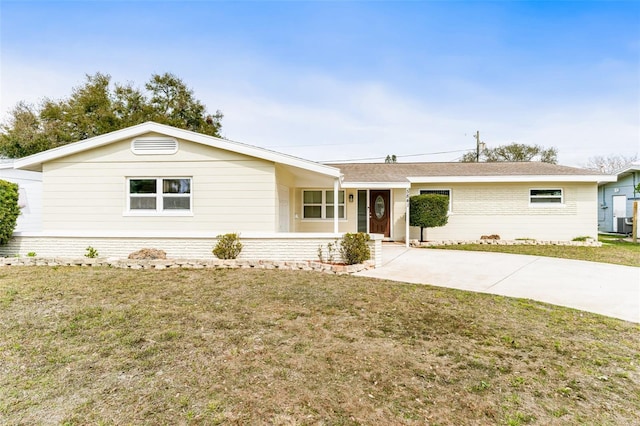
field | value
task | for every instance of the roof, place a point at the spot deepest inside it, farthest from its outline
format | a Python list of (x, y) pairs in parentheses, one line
[(35, 161), (633, 167), (401, 175)]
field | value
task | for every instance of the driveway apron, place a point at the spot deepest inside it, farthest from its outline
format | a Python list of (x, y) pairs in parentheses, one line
[(611, 290)]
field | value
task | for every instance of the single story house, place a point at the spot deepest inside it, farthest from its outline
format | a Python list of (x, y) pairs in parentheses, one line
[(157, 186), (615, 207)]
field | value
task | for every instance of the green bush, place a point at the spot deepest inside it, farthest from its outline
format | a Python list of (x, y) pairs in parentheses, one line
[(91, 253), (228, 246), (9, 210), (354, 248), (428, 211)]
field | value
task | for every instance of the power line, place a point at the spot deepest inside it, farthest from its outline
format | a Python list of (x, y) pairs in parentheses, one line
[(397, 156)]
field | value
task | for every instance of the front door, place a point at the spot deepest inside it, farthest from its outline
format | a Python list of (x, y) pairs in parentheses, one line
[(379, 213)]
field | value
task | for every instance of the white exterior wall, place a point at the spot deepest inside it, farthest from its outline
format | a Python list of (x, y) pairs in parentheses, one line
[(277, 247), (504, 209), (230, 192), (30, 201), (350, 224)]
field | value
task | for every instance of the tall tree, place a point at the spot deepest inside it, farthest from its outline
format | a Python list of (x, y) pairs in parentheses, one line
[(515, 152), (610, 163), (96, 108)]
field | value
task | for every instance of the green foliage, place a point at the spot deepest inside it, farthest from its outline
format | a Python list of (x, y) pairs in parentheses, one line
[(96, 108), (31, 254), (428, 211), (354, 248), (515, 152), (391, 159), (331, 252), (91, 253), (228, 246), (9, 210), (637, 189)]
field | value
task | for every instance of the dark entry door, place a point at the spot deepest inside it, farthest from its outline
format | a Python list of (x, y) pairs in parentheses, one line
[(379, 207)]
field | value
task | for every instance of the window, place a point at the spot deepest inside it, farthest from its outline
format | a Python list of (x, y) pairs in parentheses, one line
[(159, 195), (318, 204), (545, 196), (446, 192)]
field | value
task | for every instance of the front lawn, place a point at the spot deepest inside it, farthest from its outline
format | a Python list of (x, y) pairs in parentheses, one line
[(614, 250), (111, 346)]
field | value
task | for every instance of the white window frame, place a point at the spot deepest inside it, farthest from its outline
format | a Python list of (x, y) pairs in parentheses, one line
[(159, 210), (435, 191), (540, 197), (324, 205)]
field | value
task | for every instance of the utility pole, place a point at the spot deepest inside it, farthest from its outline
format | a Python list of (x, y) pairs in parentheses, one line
[(479, 146)]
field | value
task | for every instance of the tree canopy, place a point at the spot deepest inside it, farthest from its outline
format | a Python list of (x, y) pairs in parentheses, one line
[(514, 152), (98, 107), (610, 163)]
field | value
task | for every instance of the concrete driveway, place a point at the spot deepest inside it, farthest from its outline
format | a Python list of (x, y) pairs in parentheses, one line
[(610, 290)]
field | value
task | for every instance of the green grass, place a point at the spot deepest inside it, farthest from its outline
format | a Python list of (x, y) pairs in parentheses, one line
[(614, 250), (111, 346)]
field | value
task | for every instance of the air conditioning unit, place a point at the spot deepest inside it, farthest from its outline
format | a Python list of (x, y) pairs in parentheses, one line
[(625, 225)]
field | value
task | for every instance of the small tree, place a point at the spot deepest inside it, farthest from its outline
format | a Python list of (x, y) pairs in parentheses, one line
[(9, 210), (428, 211)]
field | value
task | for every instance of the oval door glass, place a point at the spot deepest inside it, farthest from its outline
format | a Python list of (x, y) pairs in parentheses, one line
[(379, 207)]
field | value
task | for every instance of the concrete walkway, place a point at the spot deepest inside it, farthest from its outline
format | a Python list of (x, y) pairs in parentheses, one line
[(611, 290)]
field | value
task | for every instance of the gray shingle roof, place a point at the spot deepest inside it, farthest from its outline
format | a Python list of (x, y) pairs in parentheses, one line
[(398, 172)]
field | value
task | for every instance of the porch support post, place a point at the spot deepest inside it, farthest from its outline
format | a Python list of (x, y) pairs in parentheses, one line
[(335, 205), (406, 225)]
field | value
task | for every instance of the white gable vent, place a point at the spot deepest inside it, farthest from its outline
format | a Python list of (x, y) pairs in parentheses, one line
[(155, 146)]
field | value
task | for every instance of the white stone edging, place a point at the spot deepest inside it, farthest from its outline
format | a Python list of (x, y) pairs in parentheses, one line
[(337, 269), (587, 243)]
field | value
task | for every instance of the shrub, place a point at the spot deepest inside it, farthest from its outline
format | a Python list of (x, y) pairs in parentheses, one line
[(91, 253), (582, 238), (9, 210), (428, 211), (228, 246), (354, 248), (31, 254)]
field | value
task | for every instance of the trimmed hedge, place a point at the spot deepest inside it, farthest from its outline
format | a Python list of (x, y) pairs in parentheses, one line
[(428, 211), (9, 210)]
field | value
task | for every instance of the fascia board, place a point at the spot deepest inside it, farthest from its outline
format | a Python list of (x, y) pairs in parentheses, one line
[(508, 179), (130, 132), (84, 145), (375, 185)]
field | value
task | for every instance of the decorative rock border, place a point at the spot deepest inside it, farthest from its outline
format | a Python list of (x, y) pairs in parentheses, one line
[(187, 263), (587, 243)]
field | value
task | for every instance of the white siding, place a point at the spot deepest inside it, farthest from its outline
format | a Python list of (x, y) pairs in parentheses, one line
[(230, 192)]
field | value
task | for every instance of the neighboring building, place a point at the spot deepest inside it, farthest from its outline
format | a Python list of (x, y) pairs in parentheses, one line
[(174, 189), (615, 207), (30, 196)]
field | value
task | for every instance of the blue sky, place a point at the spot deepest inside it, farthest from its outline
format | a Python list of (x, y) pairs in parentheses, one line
[(332, 80)]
